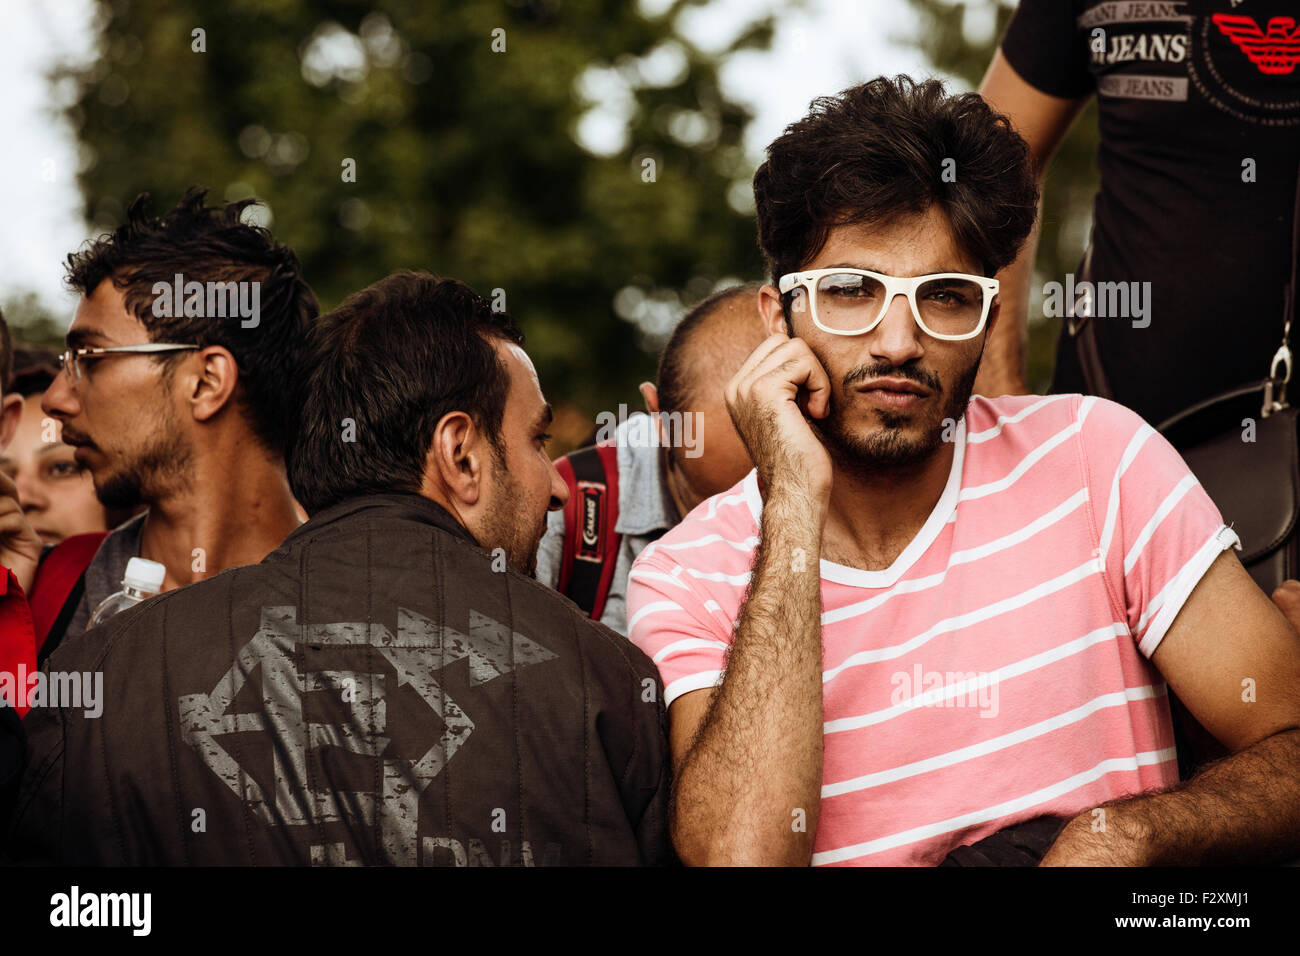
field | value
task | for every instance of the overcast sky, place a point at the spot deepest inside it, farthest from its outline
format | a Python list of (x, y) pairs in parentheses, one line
[(828, 45)]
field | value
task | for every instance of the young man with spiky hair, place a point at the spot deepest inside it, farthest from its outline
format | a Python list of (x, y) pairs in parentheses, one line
[(175, 391), (952, 615)]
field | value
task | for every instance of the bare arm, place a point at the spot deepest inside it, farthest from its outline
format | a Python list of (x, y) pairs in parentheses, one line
[(1043, 121), (1234, 661), (749, 753), (750, 782)]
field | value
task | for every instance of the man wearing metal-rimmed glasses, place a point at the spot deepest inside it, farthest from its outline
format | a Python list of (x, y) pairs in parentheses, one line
[(176, 405), (928, 619)]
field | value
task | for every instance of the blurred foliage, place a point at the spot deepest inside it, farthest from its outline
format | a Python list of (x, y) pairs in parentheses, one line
[(31, 324), (466, 157), (946, 38)]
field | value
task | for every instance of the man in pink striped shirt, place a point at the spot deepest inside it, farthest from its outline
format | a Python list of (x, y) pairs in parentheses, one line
[(925, 617)]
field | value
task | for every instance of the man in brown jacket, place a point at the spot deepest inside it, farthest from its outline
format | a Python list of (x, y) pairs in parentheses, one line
[(390, 686)]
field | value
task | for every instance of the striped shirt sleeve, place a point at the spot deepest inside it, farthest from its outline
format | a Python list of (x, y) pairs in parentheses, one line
[(1158, 531), (677, 627)]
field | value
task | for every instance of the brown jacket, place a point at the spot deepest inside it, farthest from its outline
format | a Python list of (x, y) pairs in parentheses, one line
[(378, 690)]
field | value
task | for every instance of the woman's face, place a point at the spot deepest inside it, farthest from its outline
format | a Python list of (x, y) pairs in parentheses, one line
[(56, 494)]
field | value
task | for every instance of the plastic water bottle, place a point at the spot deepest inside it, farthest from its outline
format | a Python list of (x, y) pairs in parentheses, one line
[(143, 579)]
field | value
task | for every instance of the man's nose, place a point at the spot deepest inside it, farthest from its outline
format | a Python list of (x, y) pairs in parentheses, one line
[(60, 400), (559, 491), (897, 339)]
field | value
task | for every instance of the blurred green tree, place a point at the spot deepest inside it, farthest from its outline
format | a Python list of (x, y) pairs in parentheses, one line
[(446, 136), (31, 324), (959, 38)]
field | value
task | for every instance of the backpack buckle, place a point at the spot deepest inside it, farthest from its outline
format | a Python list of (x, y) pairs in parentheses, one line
[(1282, 360)]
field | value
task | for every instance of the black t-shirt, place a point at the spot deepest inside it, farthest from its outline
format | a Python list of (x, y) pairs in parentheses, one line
[(1200, 148)]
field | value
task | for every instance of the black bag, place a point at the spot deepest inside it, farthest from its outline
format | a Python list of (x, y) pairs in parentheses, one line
[(1024, 844), (1245, 456)]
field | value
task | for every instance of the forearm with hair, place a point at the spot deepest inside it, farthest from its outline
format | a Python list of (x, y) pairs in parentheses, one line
[(1242, 809), (750, 785)]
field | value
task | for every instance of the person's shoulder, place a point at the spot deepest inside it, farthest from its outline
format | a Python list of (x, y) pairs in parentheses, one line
[(728, 520), (1018, 420), (1105, 425), (197, 600), (540, 609), (1028, 421), (141, 624)]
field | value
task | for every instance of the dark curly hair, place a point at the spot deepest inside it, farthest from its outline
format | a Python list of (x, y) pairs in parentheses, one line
[(391, 361), (877, 151), (211, 244)]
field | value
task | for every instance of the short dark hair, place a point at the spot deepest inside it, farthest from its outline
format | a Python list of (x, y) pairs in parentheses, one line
[(394, 358), (211, 244), (34, 371), (674, 382), (878, 151), (6, 355)]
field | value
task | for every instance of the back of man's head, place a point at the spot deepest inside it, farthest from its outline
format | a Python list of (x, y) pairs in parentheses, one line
[(708, 345), (889, 148), (213, 247), (706, 348), (382, 371)]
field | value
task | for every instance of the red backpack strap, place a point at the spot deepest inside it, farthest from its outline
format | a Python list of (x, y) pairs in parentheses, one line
[(569, 548), (610, 539), (591, 542), (58, 576)]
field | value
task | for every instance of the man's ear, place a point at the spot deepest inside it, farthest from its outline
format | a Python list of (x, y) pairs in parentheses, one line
[(651, 396), (769, 307), (455, 463), (11, 409), (650, 393), (211, 382)]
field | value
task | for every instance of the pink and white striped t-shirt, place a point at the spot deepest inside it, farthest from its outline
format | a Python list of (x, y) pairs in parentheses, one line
[(997, 671)]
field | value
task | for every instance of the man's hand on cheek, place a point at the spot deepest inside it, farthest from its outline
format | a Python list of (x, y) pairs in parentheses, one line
[(763, 399)]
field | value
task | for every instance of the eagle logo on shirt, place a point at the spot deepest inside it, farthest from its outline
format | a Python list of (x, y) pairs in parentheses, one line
[(1274, 50)]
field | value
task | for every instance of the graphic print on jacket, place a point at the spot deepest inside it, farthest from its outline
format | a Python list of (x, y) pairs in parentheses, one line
[(378, 691), (294, 666)]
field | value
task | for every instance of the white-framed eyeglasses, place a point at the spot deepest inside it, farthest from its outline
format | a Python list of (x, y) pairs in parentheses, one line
[(71, 359), (947, 305)]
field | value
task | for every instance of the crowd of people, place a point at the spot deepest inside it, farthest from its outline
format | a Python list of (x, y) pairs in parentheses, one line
[(875, 613)]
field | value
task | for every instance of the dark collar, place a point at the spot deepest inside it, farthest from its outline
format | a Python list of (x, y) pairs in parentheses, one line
[(403, 505)]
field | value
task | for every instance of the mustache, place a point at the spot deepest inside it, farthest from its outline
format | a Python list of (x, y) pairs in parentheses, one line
[(911, 372), (71, 436)]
